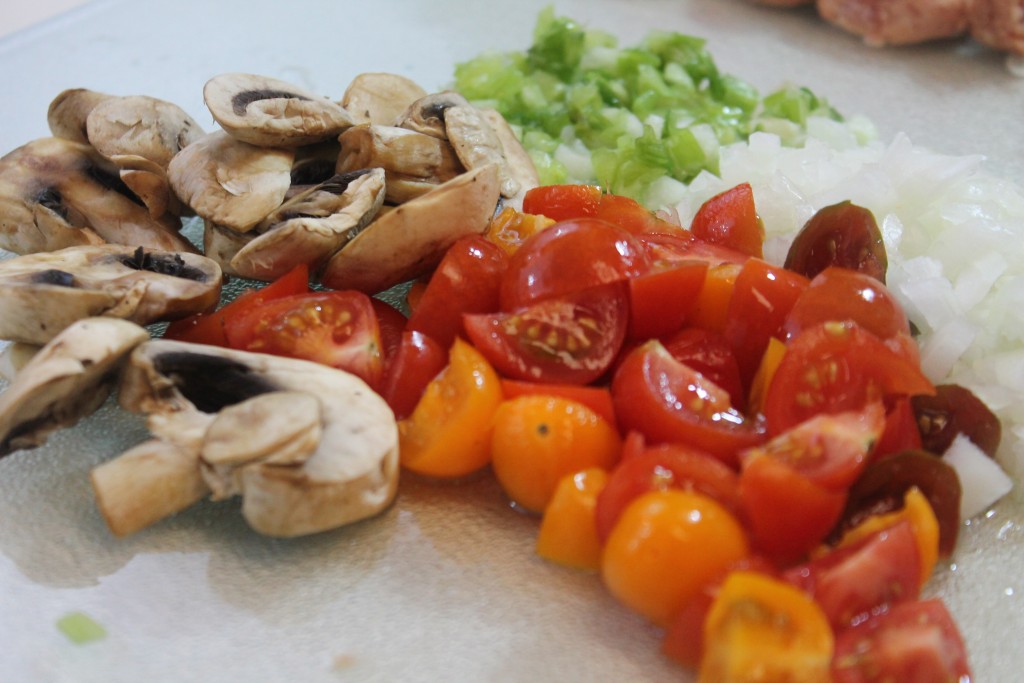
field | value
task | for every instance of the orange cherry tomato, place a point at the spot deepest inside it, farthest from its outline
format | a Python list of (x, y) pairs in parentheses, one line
[(665, 547), (567, 533), (598, 399), (762, 629), (511, 228), (448, 434), (539, 439)]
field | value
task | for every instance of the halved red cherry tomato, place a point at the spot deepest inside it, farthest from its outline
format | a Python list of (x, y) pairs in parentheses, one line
[(570, 339), (570, 256), (730, 219), (761, 300), (843, 294), (337, 328), (208, 328), (632, 216), (416, 361), (391, 322), (900, 433), (660, 298), (668, 401), (466, 281), (912, 642), (658, 467), (788, 514), (836, 367), (562, 202)]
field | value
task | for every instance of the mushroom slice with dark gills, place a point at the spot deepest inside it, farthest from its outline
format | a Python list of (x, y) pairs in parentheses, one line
[(308, 447), (56, 193), (270, 112), (41, 294), (140, 135), (426, 115), (230, 183), (312, 226), (410, 240), (377, 97), (413, 163), (68, 379)]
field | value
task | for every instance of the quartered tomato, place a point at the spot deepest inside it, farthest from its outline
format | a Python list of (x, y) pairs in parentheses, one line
[(709, 354), (336, 328), (570, 339), (208, 328), (856, 580), (660, 299), (836, 367), (761, 629), (391, 322), (567, 535), (448, 434), (570, 256), (911, 642), (730, 219), (761, 300), (466, 281), (668, 401), (416, 361), (562, 202)]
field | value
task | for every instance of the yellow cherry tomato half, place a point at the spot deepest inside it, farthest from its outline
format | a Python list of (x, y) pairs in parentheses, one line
[(448, 434), (665, 547), (568, 532), (762, 629), (539, 439)]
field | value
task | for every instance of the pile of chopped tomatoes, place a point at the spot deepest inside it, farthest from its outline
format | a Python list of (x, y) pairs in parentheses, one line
[(738, 448)]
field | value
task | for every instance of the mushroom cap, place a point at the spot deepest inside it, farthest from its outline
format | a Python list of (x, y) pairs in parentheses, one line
[(426, 115), (476, 144), (69, 378), (312, 226), (69, 111), (55, 193), (411, 239), (377, 97), (288, 488), (270, 112), (42, 294), (231, 183), (140, 126)]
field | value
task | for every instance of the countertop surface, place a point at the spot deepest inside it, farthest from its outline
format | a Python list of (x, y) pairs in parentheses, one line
[(444, 585)]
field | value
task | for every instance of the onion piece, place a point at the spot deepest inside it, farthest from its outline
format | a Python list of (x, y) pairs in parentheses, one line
[(982, 480)]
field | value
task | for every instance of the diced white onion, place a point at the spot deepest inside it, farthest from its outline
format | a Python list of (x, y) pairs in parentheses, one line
[(982, 480)]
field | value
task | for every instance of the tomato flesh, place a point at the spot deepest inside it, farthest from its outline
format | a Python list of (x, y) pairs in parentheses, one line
[(730, 219), (570, 339)]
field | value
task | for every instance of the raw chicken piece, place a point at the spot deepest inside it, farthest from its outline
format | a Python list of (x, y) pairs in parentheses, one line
[(898, 22), (998, 23)]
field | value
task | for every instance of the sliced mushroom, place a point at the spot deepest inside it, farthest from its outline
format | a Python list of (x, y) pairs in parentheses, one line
[(476, 144), (519, 165), (69, 111), (231, 183), (14, 357), (410, 240), (426, 115), (259, 440), (314, 164), (41, 294), (270, 112), (403, 154), (56, 193), (140, 135), (380, 97), (158, 477), (221, 244), (312, 226), (68, 379)]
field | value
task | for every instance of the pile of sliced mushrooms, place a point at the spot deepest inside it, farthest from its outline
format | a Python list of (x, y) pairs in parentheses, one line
[(368, 191)]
